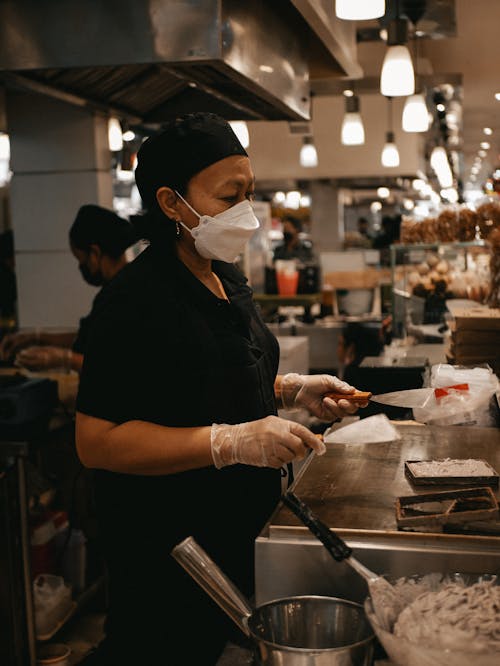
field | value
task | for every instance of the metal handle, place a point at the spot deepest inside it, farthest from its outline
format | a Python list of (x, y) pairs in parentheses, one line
[(337, 548), (202, 569)]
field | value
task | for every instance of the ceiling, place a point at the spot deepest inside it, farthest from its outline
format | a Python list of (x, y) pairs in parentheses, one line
[(457, 53)]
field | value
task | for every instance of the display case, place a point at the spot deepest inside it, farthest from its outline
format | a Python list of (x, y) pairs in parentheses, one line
[(424, 276)]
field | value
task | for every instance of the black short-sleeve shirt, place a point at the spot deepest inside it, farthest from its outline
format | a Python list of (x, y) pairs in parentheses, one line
[(165, 349)]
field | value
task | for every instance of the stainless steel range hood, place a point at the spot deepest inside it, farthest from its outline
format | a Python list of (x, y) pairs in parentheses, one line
[(149, 60)]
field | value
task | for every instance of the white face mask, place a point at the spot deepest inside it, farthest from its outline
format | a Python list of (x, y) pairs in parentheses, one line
[(223, 236)]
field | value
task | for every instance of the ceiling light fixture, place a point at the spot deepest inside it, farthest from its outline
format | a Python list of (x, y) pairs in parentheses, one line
[(441, 166), (485, 145), (482, 153), (308, 154), (115, 135), (497, 96), (383, 192), (352, 132), (397, 78), (488, 131), (390, 153), (415, 112), (240, 128), (359, 10)]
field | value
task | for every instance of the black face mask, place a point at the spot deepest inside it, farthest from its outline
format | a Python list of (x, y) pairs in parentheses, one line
[(288, 236), (94, 279)]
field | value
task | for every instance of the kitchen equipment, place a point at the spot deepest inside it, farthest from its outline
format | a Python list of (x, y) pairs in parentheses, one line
[(295, 631), (404, 653), (410, 398), (447, 508), (384, 597), (449, 472)]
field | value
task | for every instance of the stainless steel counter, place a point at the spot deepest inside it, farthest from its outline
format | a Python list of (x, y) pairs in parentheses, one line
[(352, 488)]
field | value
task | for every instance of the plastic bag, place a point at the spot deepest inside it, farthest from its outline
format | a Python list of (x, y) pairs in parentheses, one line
[(373, 429), (52, 600), (466, 400)]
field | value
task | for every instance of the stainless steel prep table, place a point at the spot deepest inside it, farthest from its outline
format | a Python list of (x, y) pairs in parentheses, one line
[(352, 488)]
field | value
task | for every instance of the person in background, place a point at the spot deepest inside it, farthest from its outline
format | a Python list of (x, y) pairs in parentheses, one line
[(98, 239), (293, 247), (177, 406), (8, 290), (354, 343), (388, 236)]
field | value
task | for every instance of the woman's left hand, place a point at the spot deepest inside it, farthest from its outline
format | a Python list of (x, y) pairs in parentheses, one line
[(310, 392)]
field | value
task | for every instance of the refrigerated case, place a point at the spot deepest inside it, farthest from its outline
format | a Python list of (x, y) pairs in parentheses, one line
[(424, 276)]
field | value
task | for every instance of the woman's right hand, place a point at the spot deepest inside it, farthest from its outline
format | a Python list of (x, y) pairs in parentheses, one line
[(268, 442), (12, 343)]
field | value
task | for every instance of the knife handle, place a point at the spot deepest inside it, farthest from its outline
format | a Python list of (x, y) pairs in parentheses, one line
[(357, 396)]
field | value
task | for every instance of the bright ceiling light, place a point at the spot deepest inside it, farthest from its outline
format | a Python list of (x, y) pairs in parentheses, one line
[(397, 78), (115, 136), (440, 107), (482, 153), (4, 147), (415, 114), (348, 92), (383, 192), (292, 199), (408, 204), (375, 206), (128, 135), (497, 96), (488, 131), (240, 128), (352, 132), (308, 154), (485, 145), (390, 153), (359, 10), (441, 166)]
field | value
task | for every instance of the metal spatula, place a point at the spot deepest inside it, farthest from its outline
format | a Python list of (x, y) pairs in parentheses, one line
[(386, 601)]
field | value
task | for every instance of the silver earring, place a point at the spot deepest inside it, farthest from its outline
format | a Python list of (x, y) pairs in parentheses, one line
[(177, 229)]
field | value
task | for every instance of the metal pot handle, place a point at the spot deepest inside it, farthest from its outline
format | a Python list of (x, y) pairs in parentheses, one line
[(202, 569)]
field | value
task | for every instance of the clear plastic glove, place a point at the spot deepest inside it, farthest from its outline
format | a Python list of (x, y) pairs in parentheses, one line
[(44, 358), (268, 442), (309, 392)]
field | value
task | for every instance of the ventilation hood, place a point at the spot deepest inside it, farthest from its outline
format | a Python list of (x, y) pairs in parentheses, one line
[(150, 60)]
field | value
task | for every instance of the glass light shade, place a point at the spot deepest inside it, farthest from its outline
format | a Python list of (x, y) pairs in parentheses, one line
[(397, 78), (441, 167), (390, 155), (240, 128), (115, 137), (4, 147), (359, 10), (308, 156), (415, 114), (353, 132)]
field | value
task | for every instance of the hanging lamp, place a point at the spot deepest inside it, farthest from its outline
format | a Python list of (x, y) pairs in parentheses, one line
[(390, 152), (415, 112), (352, 132), (359, 10), (397, 78), (308, 153)]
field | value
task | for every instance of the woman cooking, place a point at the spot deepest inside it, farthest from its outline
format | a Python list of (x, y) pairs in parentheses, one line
[(178, 398)]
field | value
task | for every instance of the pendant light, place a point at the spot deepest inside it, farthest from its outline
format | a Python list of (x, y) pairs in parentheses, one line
[(115, 137), (240, 128), (308, 153), (390, 153), (441, 167), (359, 10), (415, 113), (397, 78), (352, 132)]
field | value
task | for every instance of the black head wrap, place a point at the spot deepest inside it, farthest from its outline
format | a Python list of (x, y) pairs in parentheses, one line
[(94, 225), (186, 146)]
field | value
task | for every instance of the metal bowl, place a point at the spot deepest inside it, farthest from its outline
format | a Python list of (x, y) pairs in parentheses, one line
[(404, 653)]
